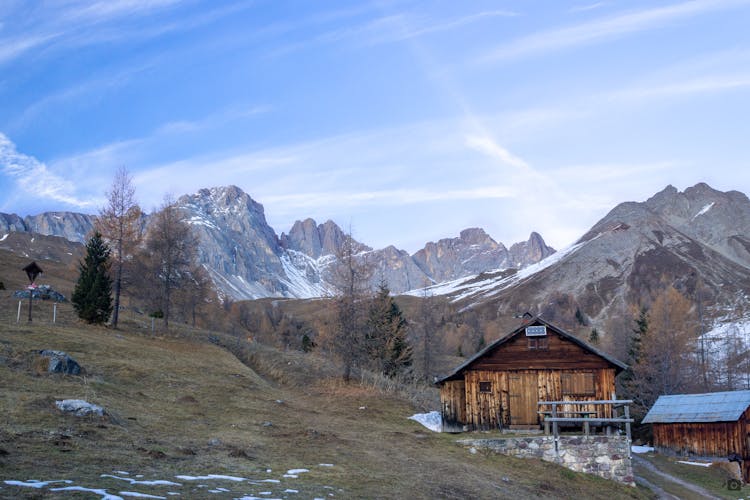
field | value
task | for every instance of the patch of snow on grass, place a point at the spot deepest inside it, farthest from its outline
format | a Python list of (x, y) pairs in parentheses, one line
[(699, 464), (33, 483), (641, 449), (432, 420), (158, 482), (103, 493), (212, 476), (139, 495), (297, 471), (2, 238), (325, 465)]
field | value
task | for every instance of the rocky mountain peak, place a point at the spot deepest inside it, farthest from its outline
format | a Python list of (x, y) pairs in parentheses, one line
[(533, 250), (303, 237), (317, 240), (476, 236)]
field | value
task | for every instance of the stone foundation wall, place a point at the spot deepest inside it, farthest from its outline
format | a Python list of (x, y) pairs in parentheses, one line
[(605, 456)]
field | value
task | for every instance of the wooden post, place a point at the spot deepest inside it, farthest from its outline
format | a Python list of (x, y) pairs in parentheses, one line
[(18, 316), (627, 426), (555, 433), (54, 313)]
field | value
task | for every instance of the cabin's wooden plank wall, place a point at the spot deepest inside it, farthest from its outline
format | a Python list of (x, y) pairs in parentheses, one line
[(453, 403), (560, 354), (710, 439), (490, 410)]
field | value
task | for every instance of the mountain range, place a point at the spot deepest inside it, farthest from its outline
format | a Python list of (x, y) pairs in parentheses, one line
[(246, 259), (697, 241)]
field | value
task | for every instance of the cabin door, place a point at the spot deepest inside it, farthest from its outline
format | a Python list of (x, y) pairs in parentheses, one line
[(523, 397)]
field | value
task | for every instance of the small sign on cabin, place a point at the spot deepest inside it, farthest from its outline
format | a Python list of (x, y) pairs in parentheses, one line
[(536, 331)]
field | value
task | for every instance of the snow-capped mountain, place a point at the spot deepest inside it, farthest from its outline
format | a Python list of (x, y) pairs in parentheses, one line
[(698, 239), (246, 259)]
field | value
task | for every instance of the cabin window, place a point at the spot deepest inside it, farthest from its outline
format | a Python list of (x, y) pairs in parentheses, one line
[(537, 343), (485, 386), (578, 384)]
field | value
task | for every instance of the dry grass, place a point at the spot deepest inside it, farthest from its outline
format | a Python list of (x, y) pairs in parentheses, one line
[(713, 479), (180, 404)]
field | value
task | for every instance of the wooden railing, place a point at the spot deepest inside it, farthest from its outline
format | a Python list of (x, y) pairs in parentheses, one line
[(555, 413)]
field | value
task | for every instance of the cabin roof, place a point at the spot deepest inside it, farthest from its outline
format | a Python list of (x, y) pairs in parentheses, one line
[(709, 407), (456, 373)]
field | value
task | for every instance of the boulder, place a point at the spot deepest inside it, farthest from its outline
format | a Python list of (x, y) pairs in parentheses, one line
[(79, 407), (60, 362)]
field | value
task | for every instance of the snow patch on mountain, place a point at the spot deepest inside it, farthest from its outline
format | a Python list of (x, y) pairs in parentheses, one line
[(196, 220), (493, 282), (705, 209), (237, 287), (303, 275)]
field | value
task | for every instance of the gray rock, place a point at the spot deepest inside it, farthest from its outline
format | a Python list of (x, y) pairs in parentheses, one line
[(60, 362), (79, 407), (70, 225)]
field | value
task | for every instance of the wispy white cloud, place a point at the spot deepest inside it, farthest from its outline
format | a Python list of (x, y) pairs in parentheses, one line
[(697, 85), (104, 11), (85, 89), (392, 197), (605, 172), (75, 24), (404, 26), (213, 120), (391, 29), (588, 7), (177, 176), (603, 29), (35, 179), (491, 148), (14, 47)]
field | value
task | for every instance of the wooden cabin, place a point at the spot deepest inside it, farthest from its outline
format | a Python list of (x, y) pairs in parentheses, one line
[(715, 424), (500, 386)]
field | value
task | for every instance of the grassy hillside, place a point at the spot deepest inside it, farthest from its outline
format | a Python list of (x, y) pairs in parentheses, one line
[(194, 403), (180, 405)]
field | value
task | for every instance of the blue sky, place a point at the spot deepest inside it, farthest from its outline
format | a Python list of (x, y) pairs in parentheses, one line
[(404, 120)]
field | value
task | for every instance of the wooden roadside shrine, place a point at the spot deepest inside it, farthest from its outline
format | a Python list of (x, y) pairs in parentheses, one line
[(715, 424), (502, 385)]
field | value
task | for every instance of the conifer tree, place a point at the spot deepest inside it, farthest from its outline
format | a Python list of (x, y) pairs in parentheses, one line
[(92, 296), (386, 334)]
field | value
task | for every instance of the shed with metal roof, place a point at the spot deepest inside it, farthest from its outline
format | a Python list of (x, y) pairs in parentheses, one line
[(715, 424)]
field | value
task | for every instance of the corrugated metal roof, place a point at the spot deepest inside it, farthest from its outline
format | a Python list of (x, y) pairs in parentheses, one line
[(709, 407)]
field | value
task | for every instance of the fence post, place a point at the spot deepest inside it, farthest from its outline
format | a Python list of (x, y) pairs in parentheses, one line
[(555, 433), (18, 316), (54, 313), (627, 426)]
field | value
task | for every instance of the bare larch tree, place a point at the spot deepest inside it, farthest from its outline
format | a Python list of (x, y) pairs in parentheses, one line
[(119, 223)]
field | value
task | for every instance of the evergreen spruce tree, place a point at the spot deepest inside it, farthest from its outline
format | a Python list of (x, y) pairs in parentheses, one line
[(594, 336), (92, 296), (386, 341)]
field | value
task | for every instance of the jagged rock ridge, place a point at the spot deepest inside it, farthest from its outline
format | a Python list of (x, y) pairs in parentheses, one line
[(696, 239), (246, 259)]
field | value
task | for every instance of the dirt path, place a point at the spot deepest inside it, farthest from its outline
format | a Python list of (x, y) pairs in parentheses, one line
[(639, 462)]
